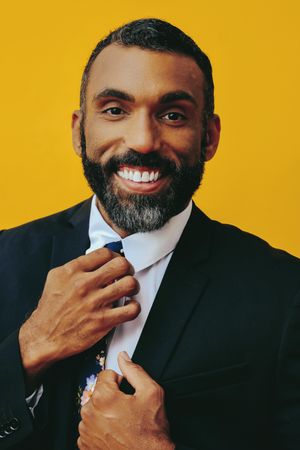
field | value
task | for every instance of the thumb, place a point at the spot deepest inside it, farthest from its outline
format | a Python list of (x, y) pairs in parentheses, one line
[(134, 374)]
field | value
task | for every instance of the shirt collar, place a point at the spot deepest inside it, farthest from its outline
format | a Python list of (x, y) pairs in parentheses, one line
[(141, 249)]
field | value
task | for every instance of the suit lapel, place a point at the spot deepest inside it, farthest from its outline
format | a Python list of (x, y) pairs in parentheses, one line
[(179, 293), (72, 240)]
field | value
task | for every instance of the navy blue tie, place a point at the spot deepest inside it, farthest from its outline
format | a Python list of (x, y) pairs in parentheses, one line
[(116, 247), (93, 359)]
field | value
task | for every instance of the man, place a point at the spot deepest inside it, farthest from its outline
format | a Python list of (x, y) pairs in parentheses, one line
[(208, 313)]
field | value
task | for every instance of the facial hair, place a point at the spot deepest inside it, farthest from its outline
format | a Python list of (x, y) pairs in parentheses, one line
[(135, 213)]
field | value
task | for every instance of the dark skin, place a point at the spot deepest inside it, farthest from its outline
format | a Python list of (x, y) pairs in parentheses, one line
[(127, 107), (132, 102), (75, 310), (114, 420)]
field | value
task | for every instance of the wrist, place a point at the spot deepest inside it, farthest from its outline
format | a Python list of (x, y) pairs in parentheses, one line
[(35, 352)]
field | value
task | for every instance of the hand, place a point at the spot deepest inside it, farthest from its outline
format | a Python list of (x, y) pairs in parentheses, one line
[(112, 420), (76, 309)]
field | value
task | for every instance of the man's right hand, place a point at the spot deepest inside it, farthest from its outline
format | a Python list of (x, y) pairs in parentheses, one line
[(76, 309)]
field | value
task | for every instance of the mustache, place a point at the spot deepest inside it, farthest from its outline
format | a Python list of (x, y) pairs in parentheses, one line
[(132, 158)]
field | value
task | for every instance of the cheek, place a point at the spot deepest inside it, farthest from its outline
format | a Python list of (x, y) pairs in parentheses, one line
[(101, 140), (186, 146)]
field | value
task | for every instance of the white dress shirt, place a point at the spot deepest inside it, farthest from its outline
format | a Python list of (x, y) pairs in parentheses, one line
[(149, 254)]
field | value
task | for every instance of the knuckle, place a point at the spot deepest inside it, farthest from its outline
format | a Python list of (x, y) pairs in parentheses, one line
[(81, 427), (84, 412), (53, 273), (123, 265), (154, 390), (96, 397), (79, 263), (136, 367), (80, 443), (80, 287), (160, 391), (101, 319), (71, 267), (104, 252), (108, 374), (105, 376)]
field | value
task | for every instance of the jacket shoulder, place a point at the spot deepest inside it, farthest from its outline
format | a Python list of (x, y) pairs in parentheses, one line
[(239, 250), (41, 227), (247, 244)]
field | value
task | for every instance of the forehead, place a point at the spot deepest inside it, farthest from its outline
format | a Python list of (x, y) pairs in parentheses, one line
[(144, 73)]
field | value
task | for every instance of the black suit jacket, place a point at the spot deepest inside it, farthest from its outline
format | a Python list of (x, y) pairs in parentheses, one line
[(222, 338)]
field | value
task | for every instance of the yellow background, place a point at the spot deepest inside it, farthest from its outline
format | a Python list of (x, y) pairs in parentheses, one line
[(253, 181)]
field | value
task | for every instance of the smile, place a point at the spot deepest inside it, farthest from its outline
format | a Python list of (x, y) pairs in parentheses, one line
[(139, 174)]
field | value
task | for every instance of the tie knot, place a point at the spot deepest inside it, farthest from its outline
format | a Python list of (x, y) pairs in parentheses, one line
[(116, 247)]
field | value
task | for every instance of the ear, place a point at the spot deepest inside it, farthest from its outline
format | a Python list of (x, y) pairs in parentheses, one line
[(212, 136), (76, 121)]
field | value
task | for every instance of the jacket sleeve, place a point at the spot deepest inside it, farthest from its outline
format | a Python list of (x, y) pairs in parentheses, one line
[(287, 420), (16, 421)]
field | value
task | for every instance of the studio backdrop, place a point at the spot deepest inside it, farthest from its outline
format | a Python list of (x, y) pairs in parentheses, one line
[(252, 182)]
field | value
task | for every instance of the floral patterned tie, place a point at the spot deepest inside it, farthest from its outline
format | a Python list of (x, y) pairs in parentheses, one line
[(93, 359)]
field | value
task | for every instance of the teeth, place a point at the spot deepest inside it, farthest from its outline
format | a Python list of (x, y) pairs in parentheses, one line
[(145, 177), (138, 176)]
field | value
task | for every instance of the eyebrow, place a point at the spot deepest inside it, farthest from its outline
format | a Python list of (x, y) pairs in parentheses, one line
[(177, 95), (106, 93), (166, 98)]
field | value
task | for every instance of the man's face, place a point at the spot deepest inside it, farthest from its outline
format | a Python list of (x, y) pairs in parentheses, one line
[(142, 134)]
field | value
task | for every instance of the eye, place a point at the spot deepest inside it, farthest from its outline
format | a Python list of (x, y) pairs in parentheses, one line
[(173, 117), (114, 111)]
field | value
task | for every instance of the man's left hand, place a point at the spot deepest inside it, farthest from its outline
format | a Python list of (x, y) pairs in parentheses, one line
[(112, 420)]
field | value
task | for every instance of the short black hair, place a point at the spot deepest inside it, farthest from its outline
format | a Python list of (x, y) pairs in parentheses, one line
[(157, 35)]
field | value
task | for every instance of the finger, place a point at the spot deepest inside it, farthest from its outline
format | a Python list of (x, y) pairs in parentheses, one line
[(135, 374), (106, 389), (125, 287), (108, 377), (80, 444), (110, 318), (92, 261), (110, 271)]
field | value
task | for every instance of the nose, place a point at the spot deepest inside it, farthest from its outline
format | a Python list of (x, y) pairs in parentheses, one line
[(142, 133)]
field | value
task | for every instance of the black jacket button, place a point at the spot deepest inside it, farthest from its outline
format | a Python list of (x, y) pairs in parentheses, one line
[(2, 434), (7, 429), (14, 424)]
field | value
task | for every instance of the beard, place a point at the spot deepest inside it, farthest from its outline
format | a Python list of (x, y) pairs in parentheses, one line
[(135, 213)]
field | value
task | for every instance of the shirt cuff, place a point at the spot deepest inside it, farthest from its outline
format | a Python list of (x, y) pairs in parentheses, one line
[(33, 399)]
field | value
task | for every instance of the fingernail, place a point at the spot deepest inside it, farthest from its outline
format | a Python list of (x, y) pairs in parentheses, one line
[(125, 356)]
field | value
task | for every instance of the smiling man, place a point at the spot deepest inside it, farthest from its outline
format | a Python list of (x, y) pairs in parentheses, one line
[(183, 332), (143, 135)]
